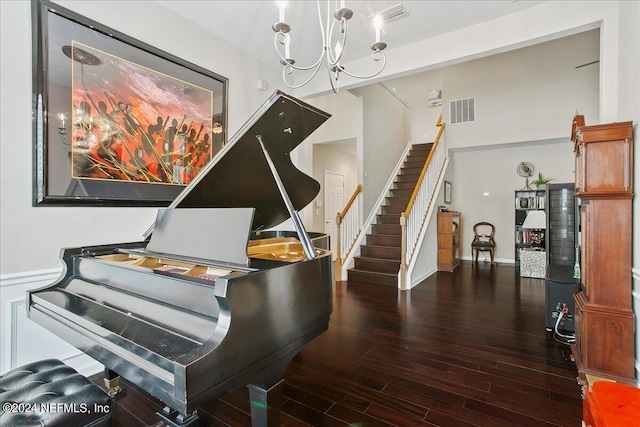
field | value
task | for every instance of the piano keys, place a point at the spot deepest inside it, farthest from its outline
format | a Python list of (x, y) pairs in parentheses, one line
[(209, 301)]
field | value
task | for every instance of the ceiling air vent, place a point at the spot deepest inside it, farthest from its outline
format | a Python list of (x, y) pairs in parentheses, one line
[(392, 13), (462, 111)]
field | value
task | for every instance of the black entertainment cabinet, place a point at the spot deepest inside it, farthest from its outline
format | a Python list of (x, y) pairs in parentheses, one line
[(560, 241)]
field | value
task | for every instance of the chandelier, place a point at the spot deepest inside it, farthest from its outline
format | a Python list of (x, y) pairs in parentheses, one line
[(333, 53)]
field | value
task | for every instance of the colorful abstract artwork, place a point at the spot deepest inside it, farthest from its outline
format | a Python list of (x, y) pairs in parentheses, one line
[(117, 121), (131, 123)]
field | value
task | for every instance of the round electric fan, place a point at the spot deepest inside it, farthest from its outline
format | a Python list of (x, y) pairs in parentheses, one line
[(525, 170)]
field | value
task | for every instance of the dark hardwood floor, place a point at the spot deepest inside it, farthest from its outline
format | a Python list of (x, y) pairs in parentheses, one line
[(462, 349)]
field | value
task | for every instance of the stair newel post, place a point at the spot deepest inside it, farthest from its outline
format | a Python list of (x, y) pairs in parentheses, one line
[(338, 265), (403, 251)]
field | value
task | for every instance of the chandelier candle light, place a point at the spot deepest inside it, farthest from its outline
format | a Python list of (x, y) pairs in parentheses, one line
[(333, 54)]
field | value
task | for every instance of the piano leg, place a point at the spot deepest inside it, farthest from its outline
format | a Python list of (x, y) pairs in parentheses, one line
[(112, 383), (265, 405), (170, 418)]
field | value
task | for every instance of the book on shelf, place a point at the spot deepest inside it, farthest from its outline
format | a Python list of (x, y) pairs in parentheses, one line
[(523, 236), (530, 202)]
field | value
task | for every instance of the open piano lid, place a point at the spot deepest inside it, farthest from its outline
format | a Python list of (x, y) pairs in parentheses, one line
[(239, 175)]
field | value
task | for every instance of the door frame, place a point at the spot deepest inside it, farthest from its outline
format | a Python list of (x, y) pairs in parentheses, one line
[(324, 197)]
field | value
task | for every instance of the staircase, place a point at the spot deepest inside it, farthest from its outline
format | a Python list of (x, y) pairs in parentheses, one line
[(379, 260)]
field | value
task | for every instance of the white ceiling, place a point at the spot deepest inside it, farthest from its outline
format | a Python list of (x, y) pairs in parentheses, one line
[(247, 24)]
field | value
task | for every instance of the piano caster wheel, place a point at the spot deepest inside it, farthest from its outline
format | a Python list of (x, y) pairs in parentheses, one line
[(117, 393), (114, 390), (170, 418)]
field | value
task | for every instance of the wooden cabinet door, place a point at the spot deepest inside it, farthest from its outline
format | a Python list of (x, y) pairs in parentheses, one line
[(606, 231), (604, 159)]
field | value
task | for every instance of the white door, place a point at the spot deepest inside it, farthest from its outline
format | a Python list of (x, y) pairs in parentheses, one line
[(333, 204)]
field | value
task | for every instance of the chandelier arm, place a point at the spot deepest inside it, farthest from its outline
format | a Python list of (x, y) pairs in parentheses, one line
[(322, 30), (327, 43), (329, 35), (384, 63), (284, 60), (288, 69)]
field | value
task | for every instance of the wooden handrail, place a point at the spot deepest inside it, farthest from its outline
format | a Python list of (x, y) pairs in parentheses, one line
[(342, 214), (424, 168), (339, 217)]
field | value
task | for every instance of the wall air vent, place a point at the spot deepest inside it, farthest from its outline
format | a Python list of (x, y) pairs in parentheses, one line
[(392, 13), (462, 111)]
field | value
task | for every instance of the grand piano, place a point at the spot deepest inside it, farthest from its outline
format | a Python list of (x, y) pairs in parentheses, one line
[(209, 300)]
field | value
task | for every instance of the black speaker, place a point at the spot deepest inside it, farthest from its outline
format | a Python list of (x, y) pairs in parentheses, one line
[(560, 288)]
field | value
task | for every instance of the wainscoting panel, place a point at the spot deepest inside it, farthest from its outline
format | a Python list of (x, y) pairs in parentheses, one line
[(22, 340)]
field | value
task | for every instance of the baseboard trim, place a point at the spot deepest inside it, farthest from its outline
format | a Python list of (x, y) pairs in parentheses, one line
[(418, 280), (496, 260)]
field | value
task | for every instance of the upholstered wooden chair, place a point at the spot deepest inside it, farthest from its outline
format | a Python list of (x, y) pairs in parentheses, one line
[(483, 239)]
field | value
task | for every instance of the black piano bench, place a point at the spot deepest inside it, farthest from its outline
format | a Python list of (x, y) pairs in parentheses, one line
[(51, 394)]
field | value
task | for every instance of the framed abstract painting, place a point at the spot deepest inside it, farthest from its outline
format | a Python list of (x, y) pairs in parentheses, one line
[(117, 122)]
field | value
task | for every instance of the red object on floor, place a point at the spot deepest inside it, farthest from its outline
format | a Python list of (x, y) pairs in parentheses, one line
[(612, 404)]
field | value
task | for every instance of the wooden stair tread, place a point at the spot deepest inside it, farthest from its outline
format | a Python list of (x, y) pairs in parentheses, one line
[(374, 259), (397, 201), (378, 246), (374, 272)]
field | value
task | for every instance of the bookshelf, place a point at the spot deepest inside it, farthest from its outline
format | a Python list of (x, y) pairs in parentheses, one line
[(525, 201)]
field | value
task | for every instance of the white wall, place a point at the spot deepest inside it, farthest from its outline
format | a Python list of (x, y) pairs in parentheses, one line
[(527, 94), (345, 124), (387, 129), (415, 90), (493, 170), (326, 158), (521, 94), (548, 21)]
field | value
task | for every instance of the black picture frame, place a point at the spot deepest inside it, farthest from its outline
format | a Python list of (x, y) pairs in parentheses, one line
[(100, 136), (447, 192)]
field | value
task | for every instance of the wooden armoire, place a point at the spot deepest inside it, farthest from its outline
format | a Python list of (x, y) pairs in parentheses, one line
[(604, 319)]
